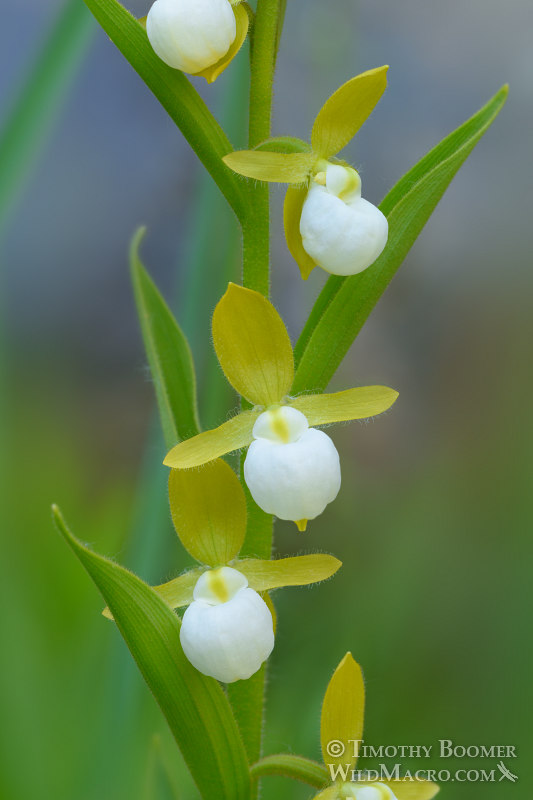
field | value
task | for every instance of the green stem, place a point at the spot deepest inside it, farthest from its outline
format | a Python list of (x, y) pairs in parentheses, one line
[(295, 767), (256, 225)]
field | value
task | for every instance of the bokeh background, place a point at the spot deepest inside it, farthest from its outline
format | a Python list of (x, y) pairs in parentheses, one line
[(434, 518)]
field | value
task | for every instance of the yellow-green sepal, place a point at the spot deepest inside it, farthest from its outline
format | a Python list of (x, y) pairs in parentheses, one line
[(253, 346), (264, 575), (346, 110), (359, 403), (343, 713), (409, 789), (292, 212), (208, 509), (142, 21), (242, 21), (231, 435), (177, 593), (265, 165)]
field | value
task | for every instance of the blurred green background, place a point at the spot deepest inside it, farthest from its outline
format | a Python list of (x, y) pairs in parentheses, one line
[(434, 518)]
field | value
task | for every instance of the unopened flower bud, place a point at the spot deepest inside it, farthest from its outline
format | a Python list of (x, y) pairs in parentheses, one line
[(227, 631), (342, 232), (291, 470), (191, 35)]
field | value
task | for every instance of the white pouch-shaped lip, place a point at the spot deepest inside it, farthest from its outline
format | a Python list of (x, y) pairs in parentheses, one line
[(343, 233), (191, 35), (227, 631), (292, 471)]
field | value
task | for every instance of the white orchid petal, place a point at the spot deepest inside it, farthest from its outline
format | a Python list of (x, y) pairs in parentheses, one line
[(191, 35), (341, 231), (227, 639), (295, 475)]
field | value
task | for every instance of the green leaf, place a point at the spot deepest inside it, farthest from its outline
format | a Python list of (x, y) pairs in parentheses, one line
[(196, 708), (168, 354), (345, 303), (177, 96)]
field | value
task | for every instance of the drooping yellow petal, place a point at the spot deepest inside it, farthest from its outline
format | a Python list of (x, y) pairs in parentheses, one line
[(344, 112), (295, 571), (264, 165), (176, 593), (242, 21), (208, 509), (232, 435), (253, 346), (412, 789), (292, 212), (268, 600), (342, 713), (365, 401)]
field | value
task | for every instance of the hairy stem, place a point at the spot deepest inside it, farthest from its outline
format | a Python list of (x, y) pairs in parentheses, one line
[(295, 767)]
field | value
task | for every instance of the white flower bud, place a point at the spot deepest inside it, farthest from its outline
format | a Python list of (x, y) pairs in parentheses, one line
[(368, 791), (227, 631), (291, 470), (191, 34), (342, 232)]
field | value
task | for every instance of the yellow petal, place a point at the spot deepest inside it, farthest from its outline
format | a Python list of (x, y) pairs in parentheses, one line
[(208, 509), (178, 592), (292, 211), (365, 401), (253, 346), (295, 571), (242, 21), (232, 435), (175, 593), (344, 112), (268, 601), (264, 165), (342, 712), (412, 790), (142, 21)]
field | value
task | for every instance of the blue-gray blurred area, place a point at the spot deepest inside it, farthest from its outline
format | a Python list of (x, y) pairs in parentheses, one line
[(434, 519)]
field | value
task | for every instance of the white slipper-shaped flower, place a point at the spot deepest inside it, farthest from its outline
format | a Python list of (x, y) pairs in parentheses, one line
[(227, 632), (327, 222), (292, 470), (341, 231), (199, 37)]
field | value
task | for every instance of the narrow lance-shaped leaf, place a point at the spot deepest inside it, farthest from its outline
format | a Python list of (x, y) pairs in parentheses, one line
[(253, 346), (345, 303), (176, 94), (360, 403), (346, 110), (343, 713), (208, 509), (195, 706), (168, 354)]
